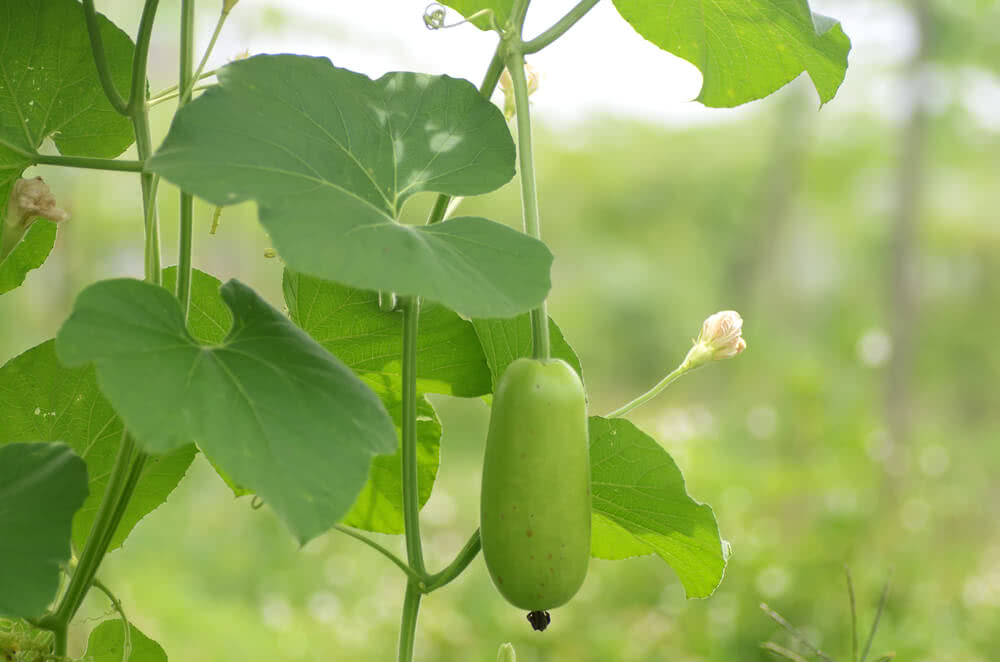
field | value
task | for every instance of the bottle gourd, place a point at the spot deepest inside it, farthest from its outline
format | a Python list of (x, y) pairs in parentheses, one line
[(535, 501)]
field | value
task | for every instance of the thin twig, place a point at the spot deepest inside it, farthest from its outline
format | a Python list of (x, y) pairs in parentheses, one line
[(772, 647), (127, 641), (779, 619), (878, 617), (854, 614)]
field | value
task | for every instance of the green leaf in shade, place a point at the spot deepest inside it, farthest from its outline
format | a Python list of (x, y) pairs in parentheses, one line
[(500, 8), (42, 400), (209, 318), (745, 49), (331, 156), (379, 507), (29, 254), (272, 408), (351, 326), (107, 643), (41, 486), (49, 89), (641, 506), (506, 340)]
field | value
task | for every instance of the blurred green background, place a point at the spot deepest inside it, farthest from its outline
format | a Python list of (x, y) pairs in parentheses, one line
[(862, 248)]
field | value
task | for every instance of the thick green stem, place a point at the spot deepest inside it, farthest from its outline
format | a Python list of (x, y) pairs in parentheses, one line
[(559, 28), (408, 625), (185, 82), (137, 95), (411, 499), (101, 59), (117, 165), (529, 192), (456, 567)]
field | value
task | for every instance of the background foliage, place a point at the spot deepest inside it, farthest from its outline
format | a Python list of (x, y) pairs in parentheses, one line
[(783, 214)]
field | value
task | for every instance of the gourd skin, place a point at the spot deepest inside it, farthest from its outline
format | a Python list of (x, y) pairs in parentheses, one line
[(535, 501)]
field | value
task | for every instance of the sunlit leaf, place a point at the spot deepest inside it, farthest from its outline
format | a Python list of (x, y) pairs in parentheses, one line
[(331, 156), (745, 49), (271, 407), (499, 8), (641, 506), (352, 327), (41, 486), (107, 643), (41, 400)]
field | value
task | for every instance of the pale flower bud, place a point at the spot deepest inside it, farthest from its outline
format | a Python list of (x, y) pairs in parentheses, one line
[(507, 87), (721, 337), (506, 653)]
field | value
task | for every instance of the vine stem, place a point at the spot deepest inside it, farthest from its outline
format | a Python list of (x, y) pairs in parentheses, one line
[(188, 85), (529, 192), (400, 563), (90, 163), (411, 501), (559, 28), (456, 567), (185, 82), (408, 624)]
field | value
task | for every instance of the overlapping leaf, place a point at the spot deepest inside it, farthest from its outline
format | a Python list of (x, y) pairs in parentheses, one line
[(351, 326), (331, 156), (745, 49), (107, 644), (29, 254), (49, 88), (271, 407), (506, 340), (41, 486), (641, 506), (41, 400)]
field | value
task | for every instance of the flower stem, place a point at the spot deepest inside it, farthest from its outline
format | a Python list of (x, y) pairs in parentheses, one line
[(651, 393)]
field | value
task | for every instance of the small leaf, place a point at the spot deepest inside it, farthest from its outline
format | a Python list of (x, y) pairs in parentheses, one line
[(506, 340), (29, 254), (271, 407), (42, 400), (331, 156), (379, 507), (107, 644), (745, 49), (352, 327), (41, 486), (641, 506), (500, 8)]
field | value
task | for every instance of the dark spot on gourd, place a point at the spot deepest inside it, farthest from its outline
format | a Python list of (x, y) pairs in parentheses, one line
[(529, 533), (500, 580), (550, 556)]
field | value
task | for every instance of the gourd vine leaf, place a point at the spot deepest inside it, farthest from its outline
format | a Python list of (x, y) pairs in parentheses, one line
[(49, 89), (350, 325), (107, 643), (41, 486), (641, 506), (379, 507), (745, 49), (506, 340), (331, 156), (30, 253), (500, 8), (41, 400), (268, 405)]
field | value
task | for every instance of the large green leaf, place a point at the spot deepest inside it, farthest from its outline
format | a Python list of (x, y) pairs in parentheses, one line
[(350, 324), (209, 318), (41, 486), (640, 506), (107, 644), (29, 254), (506, 340), (268, 405), (41, 400), (49, 89), (331, 156), (379, 507), (745, 49)]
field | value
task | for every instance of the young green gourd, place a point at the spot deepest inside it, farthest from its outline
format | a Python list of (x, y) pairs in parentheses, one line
[(535, 501)]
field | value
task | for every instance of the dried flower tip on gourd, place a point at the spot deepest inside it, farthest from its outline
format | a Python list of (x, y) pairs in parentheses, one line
[(721, 337), (32, 199), (507, 87)]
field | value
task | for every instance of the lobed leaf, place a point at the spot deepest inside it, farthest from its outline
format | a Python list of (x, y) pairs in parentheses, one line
[(41, 486), (268, 405), (745, 49), (107, 644), (641, 506), (42, 400), (331, 156)]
